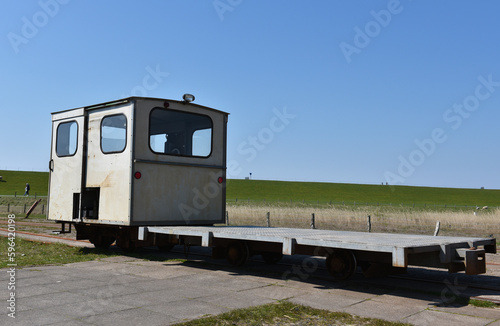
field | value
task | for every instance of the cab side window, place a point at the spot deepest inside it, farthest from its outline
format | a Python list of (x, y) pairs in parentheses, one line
[(114, 134), (67, 138)]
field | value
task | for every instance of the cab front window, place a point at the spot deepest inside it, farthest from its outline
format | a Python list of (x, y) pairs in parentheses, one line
[(180, 133)]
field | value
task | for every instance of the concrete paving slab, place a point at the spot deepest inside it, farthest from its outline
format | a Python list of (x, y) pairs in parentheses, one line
[(409, 298), (493, 313), (113, 277), (236, 300), (361, 294), (72, 322), (326, 301), (117, 286), (76, 284), (55, 299), (98, 265), (308, 286), (388, 307), (120, 259), (155, 285), (21, 304), (218, 280), (27, 273), (43, 279), (165, 272), (106, 292), (34, 317), (433, 317), (184, 310), (275, 292), (144, 299), (131, 317), (22, 292), (84, 309)]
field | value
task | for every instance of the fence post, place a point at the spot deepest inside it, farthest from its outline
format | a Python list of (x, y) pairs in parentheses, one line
[(43, 209), (369, 223), (24, 209), (436, 231), (313, 222), (268, 219), (227, 218), (8, 208), (15, 194)]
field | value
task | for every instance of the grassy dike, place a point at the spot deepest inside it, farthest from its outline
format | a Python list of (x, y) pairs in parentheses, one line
[(257, 190), (285, 191)]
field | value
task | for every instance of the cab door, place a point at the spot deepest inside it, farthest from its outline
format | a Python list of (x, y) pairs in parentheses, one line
[(66, 165)]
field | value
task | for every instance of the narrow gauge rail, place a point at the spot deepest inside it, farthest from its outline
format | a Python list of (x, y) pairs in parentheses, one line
[(344, 250)]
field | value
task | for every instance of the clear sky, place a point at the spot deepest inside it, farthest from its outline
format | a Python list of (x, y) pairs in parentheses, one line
[(404, 92)]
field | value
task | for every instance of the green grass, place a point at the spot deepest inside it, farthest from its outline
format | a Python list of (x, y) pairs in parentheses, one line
[(15, 181), (272, 191), (257, 190), (31, 253), (482, 303), (285, 313)]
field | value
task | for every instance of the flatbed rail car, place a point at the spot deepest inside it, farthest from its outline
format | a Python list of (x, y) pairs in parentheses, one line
[(152, 172), (344, 250)]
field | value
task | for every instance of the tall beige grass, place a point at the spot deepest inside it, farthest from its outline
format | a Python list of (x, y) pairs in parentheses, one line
[(392, 220)]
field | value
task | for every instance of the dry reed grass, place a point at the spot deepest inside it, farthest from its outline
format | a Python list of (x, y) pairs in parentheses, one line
[(391, 220)]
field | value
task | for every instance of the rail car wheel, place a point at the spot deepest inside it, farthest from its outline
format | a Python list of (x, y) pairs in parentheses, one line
[(341, 264), (271, 257), (102, 242), (128, 247), (166, 248), (237, 253)]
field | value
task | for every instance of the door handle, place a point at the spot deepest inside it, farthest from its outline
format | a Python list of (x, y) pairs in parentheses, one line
[(51, 165)]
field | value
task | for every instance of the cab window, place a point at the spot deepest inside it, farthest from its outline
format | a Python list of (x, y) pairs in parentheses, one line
[(114, 134), (180, 133), (67, 138)]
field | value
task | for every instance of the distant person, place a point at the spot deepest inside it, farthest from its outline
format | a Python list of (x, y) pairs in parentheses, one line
[(27, 190)]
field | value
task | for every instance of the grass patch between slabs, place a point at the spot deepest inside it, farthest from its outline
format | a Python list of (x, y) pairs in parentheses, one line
[(285, 313)]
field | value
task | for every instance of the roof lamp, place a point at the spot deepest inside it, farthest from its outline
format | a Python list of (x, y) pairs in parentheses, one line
[(188, 98)]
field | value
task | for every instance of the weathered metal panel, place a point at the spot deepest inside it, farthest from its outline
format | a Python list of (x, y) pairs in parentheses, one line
[(177, 195), (56, 116), (66, 171), (175, 189), (111, 172)]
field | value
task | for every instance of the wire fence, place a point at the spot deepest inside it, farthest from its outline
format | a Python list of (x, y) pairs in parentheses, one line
[(22, 209), (367, 220), (19, 195), (20, 204)]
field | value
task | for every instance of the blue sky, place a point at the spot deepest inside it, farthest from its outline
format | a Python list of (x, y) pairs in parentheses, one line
[(404, 92)]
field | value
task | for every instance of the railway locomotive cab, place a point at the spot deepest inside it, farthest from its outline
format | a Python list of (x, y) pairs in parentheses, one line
[(135, 162), (148, 171)]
